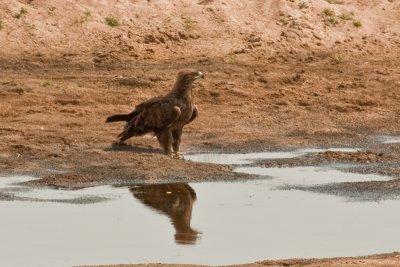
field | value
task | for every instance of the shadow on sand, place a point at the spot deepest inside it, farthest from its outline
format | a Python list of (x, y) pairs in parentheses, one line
[(134, 149)]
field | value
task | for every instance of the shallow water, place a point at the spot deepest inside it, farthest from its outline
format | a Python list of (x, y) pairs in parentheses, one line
[(229, 222), (248, 158), (309, 175), (389, 139), (43, 194)]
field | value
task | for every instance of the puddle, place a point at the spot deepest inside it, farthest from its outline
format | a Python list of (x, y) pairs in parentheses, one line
[(388, 139), (11, 189), (230, 222), (248, 158), (310, 175)]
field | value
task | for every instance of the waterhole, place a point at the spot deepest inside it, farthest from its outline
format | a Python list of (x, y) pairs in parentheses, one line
[(215, 223)]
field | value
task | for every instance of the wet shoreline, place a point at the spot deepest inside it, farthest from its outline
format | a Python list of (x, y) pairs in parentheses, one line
[(320, 199)]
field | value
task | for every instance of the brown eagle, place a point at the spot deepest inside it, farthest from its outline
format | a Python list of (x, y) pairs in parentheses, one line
[(164, 116)]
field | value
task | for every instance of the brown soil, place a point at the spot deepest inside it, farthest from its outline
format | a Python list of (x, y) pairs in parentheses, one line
[(279, 74), (360, 156), (53, 117), (386, 260)]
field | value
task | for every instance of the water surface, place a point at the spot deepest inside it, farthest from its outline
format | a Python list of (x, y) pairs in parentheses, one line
[(248, 158), (389, 139), (216, 223)]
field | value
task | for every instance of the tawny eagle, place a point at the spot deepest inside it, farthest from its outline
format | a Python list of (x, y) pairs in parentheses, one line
[(164, 116)]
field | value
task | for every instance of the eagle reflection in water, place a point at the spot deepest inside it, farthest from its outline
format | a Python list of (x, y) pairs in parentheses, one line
[(174, 200)]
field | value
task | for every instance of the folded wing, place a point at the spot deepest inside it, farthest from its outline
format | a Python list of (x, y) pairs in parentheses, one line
[(150, 116)]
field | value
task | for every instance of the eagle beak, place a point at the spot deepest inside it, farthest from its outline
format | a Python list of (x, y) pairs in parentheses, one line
[(200, 75)]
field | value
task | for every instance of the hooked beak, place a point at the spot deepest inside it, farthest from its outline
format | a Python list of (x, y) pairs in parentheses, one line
[(199, 75)]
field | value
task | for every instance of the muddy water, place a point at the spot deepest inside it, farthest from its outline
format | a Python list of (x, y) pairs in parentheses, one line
[(181, 223)]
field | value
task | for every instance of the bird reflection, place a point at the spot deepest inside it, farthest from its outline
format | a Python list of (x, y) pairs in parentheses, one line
[(174, 200)]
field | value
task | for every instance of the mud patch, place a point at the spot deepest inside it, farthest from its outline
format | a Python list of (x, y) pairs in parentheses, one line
[(359, 191), (359, 156)]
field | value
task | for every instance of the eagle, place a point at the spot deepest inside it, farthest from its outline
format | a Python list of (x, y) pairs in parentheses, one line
[(164, 116)]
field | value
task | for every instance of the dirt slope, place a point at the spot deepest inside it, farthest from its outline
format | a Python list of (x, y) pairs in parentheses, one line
[(77, 30)]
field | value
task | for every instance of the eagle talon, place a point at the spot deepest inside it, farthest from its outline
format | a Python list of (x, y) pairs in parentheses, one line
[(177, 155)]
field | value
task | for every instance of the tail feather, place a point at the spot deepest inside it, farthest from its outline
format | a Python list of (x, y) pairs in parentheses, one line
[(118, 117), (132, 129), (127, 133), (123, 117)]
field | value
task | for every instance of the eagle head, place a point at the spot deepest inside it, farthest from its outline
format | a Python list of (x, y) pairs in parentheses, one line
[(185, 79), (189, 75)]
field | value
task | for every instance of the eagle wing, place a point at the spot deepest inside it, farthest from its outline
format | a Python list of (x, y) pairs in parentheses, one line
[(194, 114), (151, 116)]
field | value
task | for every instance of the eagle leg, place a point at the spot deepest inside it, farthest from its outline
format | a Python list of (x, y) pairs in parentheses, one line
[(164, 137), (176, 141)]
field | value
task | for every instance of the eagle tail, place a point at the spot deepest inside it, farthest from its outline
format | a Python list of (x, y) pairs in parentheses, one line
[(132, 129), (124, 136), (118, 117), (123, 117), (129, 132)]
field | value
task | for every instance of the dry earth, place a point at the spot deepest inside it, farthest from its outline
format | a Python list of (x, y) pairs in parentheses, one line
[(280, 75), (384, 260)]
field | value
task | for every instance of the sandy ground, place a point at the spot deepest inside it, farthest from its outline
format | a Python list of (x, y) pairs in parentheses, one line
[(387, 260), (53, 116), (279, 75)]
